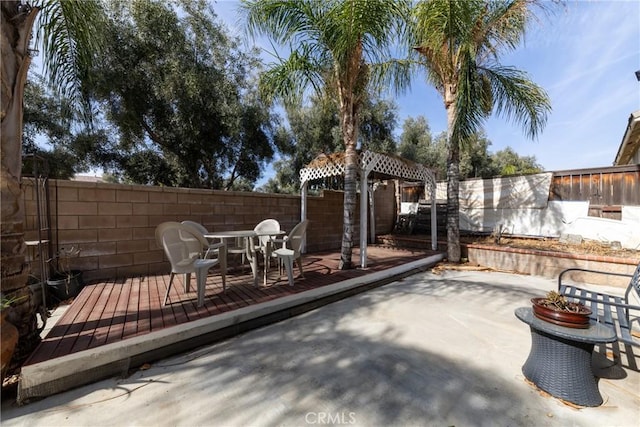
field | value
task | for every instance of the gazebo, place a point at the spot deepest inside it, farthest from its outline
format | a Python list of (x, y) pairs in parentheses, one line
[(374, 166)]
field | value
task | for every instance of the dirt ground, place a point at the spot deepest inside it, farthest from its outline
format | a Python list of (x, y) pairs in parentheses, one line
[(553, 245)]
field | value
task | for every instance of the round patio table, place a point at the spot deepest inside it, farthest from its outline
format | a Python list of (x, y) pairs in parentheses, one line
[(250, 250), (560, 358)]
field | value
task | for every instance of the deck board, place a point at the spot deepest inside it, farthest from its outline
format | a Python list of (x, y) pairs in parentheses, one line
[(117, 322), (112, 310), (131, 318)]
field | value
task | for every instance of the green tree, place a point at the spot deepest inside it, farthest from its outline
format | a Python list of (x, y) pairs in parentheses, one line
[(415, 139), (460, 43), (435, 156), (315, 129), (70, 34), (50, 118), (182, 98), (417, 144), (475, 159), (341, 44), (378, 119), (508, 162)]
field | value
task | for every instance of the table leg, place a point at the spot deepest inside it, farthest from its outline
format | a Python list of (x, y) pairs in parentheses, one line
[(267, 260), (253, 260), (562, 368)]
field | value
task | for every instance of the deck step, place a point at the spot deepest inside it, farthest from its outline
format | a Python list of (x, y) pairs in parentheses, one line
[(409, 241)]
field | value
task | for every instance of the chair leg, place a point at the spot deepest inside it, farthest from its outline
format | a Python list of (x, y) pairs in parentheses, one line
[(253, 263), (299, 262), (288, 265), (201, 278), (222, 257), (265, 273), (285, 258), (241, 242), (187, 282), (166, 294)]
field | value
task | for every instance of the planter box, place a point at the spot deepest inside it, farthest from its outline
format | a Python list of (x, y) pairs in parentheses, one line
[(550, 264)]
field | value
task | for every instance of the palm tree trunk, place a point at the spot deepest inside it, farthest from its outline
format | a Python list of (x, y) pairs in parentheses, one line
[(453, 203), (16, 32), (453, 183), (349, 132)]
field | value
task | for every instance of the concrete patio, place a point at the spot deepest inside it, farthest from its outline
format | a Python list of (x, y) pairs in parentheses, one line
[(426, 350)]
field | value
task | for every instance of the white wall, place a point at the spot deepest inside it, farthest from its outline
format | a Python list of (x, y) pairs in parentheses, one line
[(520, 206)]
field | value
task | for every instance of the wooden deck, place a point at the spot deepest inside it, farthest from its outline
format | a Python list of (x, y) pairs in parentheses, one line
[(112, 311)]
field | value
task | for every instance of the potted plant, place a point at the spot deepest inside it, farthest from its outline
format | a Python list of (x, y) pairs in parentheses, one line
[(65, 283), (9, 333), (556, 309)]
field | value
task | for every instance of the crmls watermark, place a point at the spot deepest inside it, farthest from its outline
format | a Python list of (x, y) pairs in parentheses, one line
[(334, 418)]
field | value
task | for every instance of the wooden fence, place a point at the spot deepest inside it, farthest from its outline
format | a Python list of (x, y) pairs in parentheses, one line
[(606, 189)]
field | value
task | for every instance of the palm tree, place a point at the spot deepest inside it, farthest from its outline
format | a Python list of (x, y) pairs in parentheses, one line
[(68, 31), (460, 43), (337, 45)]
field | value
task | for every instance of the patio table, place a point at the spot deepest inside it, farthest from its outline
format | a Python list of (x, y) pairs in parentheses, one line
[(248, 235), (560, 358)]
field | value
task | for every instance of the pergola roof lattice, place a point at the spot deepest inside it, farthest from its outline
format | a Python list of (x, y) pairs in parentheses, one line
[(382, 166)]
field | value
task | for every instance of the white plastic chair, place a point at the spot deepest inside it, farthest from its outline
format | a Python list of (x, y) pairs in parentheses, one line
[(213, 247), (265, 240), (183, 246), (237, 247), (291, 250)]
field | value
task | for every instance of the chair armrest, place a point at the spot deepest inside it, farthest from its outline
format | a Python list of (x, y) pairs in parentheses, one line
[(585, 270), (213, 247), (283, 240)]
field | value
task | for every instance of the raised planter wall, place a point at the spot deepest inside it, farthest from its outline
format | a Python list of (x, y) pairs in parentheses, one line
[(114, 224), (550, 264)]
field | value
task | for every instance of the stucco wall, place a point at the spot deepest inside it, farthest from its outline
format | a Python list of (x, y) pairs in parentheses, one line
[(114, 224)]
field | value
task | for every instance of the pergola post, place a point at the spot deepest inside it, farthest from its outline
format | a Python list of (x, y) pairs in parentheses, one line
[(303, 212), (434, 221), (372, 213), (364, 201)]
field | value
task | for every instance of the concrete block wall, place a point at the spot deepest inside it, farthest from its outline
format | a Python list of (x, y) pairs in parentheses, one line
[(114, 224), (385, 208)]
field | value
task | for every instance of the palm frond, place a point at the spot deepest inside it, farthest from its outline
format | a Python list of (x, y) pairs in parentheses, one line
[(70, 36), (518, 99), (282, 20), (460, 42), (351, 35), (288, 79), (374, 23), (502, 27), (471, 101), (392, 74)]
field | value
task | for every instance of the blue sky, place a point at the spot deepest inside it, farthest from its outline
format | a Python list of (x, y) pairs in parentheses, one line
[(584, 56)]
